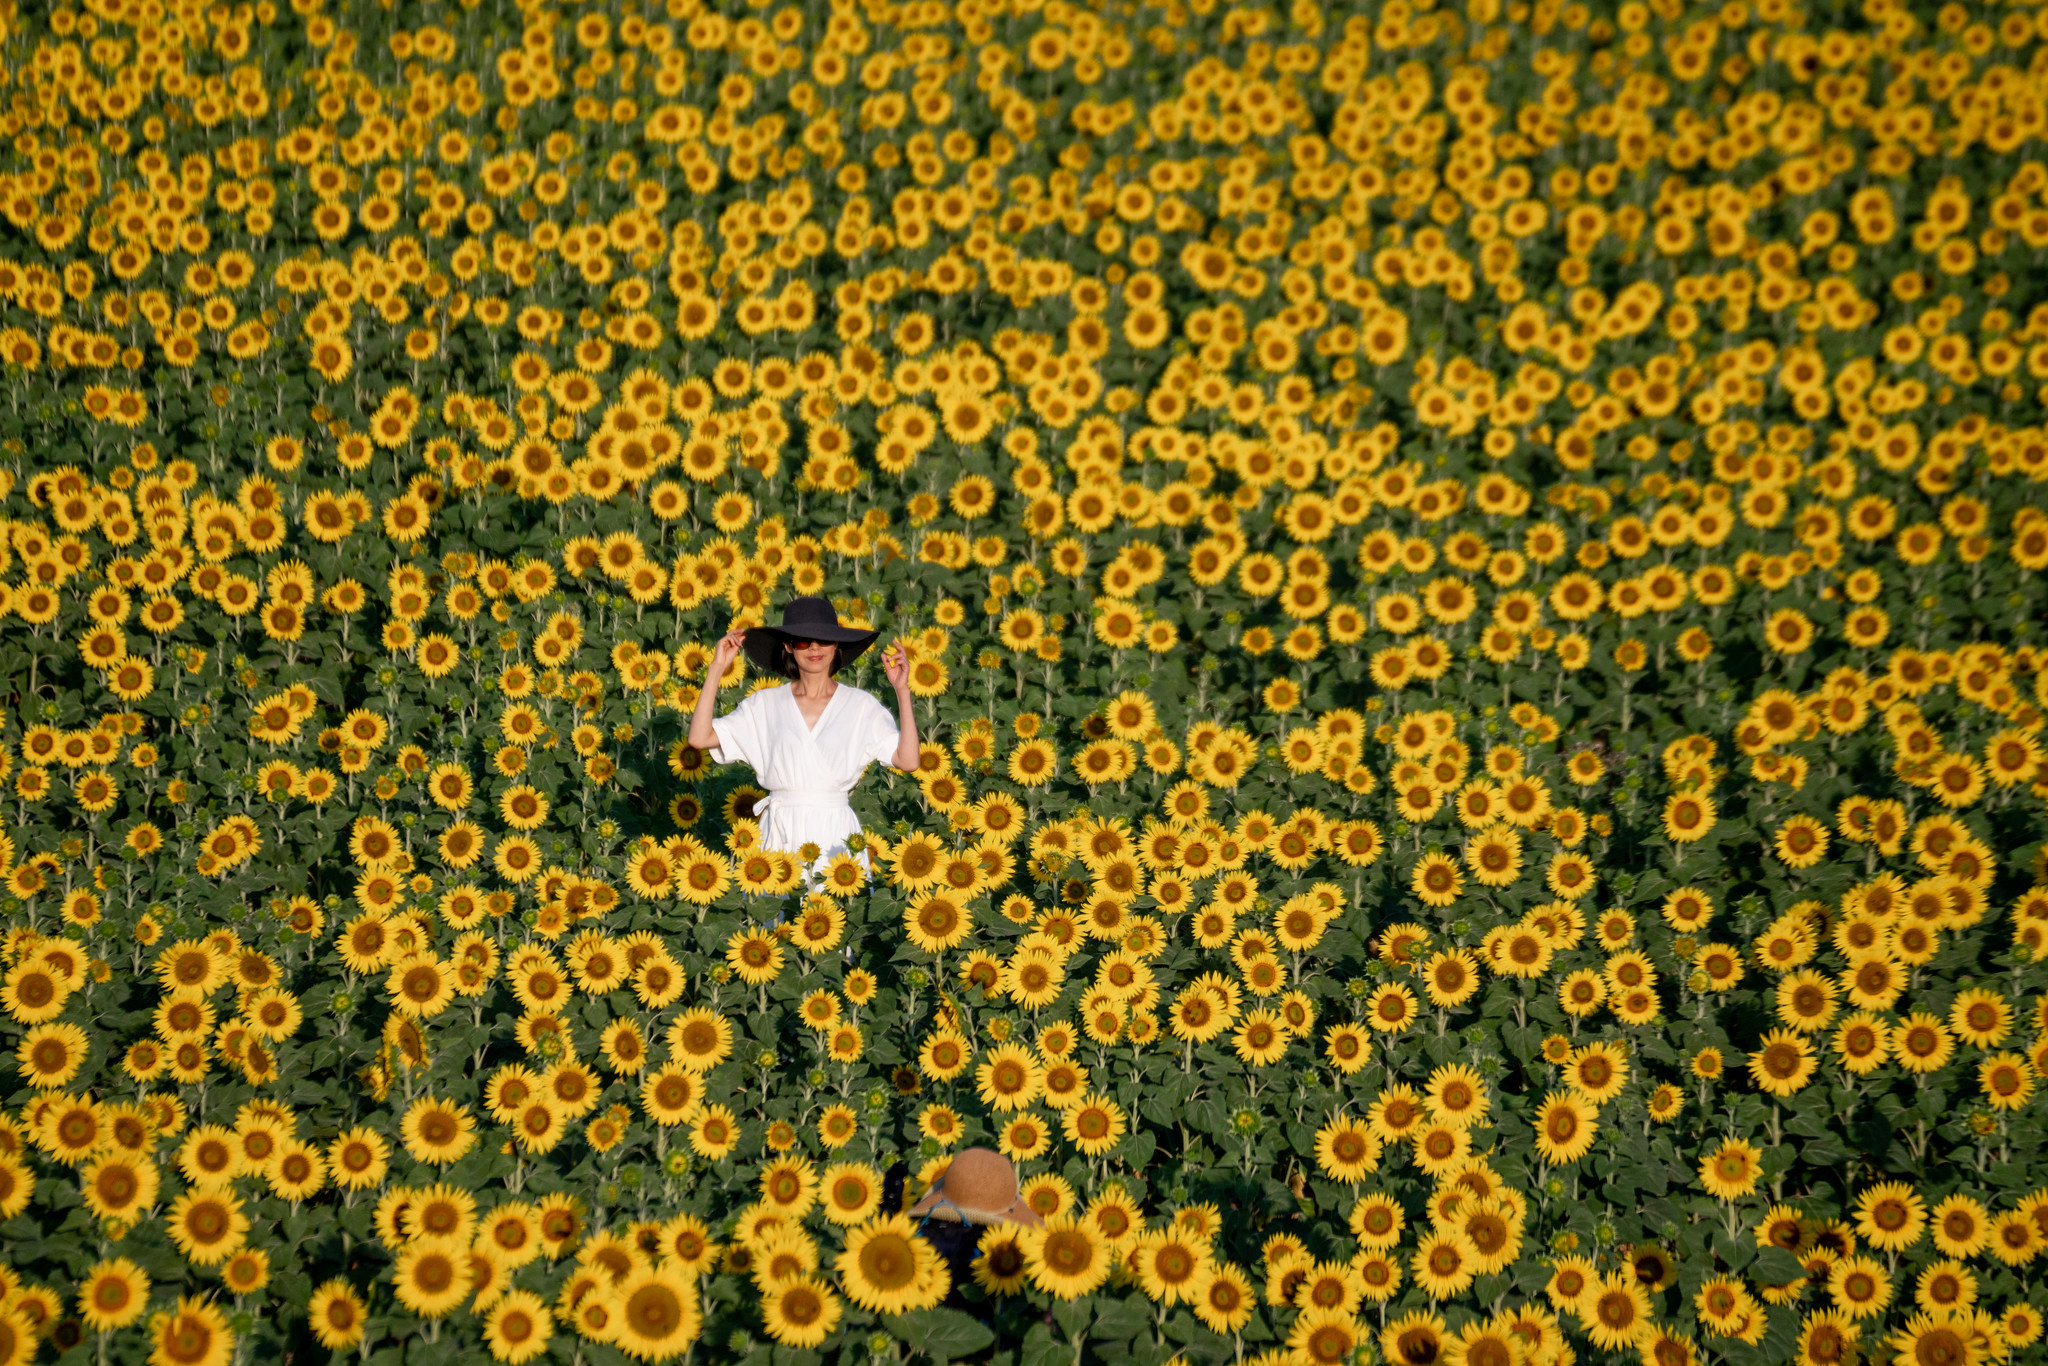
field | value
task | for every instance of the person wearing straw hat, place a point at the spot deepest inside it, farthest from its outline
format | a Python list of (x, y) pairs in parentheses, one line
[(977, 1188), (809, 742)]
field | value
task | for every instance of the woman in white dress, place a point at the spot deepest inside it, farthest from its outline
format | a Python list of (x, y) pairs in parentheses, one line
[(811, 741)]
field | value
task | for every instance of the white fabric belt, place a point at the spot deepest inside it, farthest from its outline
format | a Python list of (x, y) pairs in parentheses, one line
[(783, 801)]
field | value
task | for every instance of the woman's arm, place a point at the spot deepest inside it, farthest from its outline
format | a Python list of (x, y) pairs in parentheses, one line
[(702, 734), (896, 664)]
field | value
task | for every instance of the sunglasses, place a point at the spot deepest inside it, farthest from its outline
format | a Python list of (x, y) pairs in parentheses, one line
[(811, 644)]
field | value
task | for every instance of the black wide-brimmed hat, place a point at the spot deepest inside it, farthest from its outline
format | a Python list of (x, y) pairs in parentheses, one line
[(805, 618)]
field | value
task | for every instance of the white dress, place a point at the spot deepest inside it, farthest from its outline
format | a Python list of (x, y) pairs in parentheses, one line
[(808, 771)]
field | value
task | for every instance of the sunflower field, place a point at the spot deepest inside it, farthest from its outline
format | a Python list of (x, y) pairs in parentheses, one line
[(1473, 583)]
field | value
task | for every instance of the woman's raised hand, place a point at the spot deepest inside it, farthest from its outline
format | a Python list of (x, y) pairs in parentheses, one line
[(728, 646), (896, 664)]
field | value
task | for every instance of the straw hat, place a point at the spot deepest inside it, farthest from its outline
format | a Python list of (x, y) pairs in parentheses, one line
[(979, 1186)]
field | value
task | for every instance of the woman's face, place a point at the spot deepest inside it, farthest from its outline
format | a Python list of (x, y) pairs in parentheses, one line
[(812, 656)]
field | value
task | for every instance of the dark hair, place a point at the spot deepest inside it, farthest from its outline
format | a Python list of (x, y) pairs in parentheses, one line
[(785, 664)]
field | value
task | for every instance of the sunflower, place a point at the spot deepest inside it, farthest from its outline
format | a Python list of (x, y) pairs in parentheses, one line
[(1416, 802), (461, 844), (1941, 1336), (1328, 1285), (420, 986), (1875, 981), (800, 1312), (700, 1039), (119, 1186), (450, 786), (1324, 1337), (1598, 1071), (1582, 992), (1800, 842), (1688, 816), (652, 1313), (850, 1192), (194, 1333), (937, 923), (1415, 1339), (73, 1129), (1437, 1147), (2013, 756), (2006, 1080), (1396, 1113), (438, 1131), (247, 1271), (1444, 1263), (1169, 1264), (657, 982), (1862, 1042), (1566, 1126), (837, 1125), (1980, 1017), (1009, 1077), (1960, 1226), (1347, 1151), (511, 1232), (1945, 1285), (516, 859), (1033, 979), (1731, 1170), (714, 1133), (915, 863), (1260, 1038), (1569, 875), (1379, 1275), (887, 1268), (431, 1279), (1615, 1311), (444, 1214), (1449, 978), (523, 807), (1023, 1137), (755, 957), (1066, 1256), (651, 872), (819, 926), (1783, 1064), (2021, 1324), (1495, 857), (1095, 1125), (50, 1055), (208, 1227), (624, 1047), (2015, 1239), (941, 1124), (1484, 1340), (1000, 1266), (944, 1054), (1203, 1009), (518, 1327), (1859, 1286), (1456, 1095), (688, 1243), (113, 1294), (1806, 1000), (1391, 1008), (789, 1184), (1033, 763)]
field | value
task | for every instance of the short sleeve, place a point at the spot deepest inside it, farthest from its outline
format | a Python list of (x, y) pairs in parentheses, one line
[(880, 734), (739, 734)]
